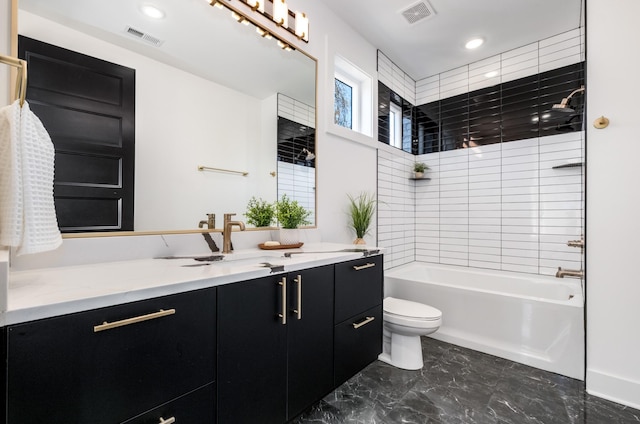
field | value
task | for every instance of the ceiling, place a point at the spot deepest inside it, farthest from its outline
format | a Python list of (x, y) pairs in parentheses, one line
[(436, 44), (195, 37), (425, 48)]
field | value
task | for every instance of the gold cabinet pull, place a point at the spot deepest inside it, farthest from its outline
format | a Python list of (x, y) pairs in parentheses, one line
[(365, 266), (366, 321), (109, 325), (298, 310), (283, 315), (167, 421)]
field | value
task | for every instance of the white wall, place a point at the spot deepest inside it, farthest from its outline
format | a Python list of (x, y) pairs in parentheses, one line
[(5, 49), (613, 202), (346, 162)]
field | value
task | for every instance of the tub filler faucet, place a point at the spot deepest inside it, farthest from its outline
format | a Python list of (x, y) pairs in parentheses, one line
[(569, 273)]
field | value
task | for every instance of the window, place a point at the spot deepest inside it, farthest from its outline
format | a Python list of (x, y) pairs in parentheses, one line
[(343, 104), (352, 98), (395, 125)]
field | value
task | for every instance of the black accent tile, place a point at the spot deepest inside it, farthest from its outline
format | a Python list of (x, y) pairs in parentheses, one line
[(514, 110)]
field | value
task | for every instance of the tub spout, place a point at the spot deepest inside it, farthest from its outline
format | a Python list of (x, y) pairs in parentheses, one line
[(569, 273)]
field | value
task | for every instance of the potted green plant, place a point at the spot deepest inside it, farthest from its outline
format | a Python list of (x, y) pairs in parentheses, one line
[(361, 210), (419, 168), (260, 213), (290, 216)]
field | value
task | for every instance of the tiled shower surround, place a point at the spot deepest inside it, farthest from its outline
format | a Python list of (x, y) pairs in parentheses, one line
[(297, 179), (500, 206)]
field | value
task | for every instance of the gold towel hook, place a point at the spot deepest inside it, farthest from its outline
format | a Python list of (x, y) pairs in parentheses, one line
[(21, 79), (601, 122)]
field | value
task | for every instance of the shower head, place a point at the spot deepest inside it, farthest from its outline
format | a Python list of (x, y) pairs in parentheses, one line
[(564, 104), (309, 155)]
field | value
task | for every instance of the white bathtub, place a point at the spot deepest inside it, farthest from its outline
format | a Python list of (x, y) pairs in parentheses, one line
[(534, 320)]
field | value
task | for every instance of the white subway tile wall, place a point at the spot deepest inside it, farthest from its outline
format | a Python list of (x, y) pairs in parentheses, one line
[(500, 206), (396, 206), (394, 78), (298, 183), (296, 111), (551, 53)]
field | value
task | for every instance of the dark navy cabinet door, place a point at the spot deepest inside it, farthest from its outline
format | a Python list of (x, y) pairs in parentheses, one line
[(252, 355), (68, 370), (310, 338)]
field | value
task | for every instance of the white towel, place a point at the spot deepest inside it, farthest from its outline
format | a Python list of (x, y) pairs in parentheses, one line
[(27, 212)]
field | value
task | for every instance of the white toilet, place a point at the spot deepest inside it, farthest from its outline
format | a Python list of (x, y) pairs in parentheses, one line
[(403, 324)]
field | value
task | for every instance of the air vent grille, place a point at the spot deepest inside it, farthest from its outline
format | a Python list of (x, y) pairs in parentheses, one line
[(418, 12), (143, 36)]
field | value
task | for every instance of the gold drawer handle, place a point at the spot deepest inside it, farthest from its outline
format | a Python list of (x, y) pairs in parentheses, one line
[(369, 265), (298, 310), (121, 323), (365, 322), (283, 295), (167, 421)]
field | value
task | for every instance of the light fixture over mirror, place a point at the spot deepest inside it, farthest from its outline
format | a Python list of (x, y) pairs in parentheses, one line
[(280, 15)]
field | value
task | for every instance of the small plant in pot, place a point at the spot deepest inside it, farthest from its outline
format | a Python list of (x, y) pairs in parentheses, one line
[(419, 168), (290, 216), (361, 210), (260, 213)]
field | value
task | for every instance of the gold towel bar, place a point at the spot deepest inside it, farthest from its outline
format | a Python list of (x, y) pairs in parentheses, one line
[(208, 168), (141, 318), (21, 80)]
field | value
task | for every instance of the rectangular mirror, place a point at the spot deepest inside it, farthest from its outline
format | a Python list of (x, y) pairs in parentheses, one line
[(206, 97)]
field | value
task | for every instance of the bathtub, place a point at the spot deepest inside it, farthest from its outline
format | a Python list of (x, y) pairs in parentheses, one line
[(531, 319)]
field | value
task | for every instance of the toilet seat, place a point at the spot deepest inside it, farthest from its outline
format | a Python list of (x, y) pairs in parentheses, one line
[(409, 311)]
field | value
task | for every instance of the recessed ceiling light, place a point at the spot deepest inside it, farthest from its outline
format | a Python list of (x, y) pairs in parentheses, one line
[(491, 74), (152, 11), (474, 44)]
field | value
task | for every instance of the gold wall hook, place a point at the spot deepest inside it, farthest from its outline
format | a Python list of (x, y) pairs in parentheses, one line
[(601, 122)]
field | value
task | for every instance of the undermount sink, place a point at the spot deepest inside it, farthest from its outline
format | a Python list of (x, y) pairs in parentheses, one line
[(250, 260)]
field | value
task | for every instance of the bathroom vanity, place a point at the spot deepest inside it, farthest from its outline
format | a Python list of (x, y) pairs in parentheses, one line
[(226, 343)]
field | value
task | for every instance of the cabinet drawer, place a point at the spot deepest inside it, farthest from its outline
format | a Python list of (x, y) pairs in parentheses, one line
[(74, 368), (358, 286), (358, 342), (196, 407)]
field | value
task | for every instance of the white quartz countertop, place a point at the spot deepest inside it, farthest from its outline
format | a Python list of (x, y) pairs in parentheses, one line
[(48, 292)]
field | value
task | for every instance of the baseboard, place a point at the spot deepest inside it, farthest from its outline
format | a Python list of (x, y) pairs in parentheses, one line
[(614, 388)]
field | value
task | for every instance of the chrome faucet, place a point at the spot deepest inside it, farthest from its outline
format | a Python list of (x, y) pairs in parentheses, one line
[(210, 222), (569, 273), (227, 247)]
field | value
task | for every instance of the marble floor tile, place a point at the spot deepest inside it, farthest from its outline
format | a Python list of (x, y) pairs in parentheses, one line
[(463, 386)]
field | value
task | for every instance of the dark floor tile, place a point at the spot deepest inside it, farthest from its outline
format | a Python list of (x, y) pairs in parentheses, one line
[(587, 409), (552, 381), (462, 386)]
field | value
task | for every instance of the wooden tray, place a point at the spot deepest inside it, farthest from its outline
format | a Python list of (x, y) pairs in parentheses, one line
[(280, 246)]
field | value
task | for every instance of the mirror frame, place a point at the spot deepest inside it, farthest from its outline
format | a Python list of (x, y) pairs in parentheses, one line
[(293, 41)]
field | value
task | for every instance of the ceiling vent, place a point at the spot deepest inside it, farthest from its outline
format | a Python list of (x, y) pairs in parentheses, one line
[(143, 36), (418, 12)]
